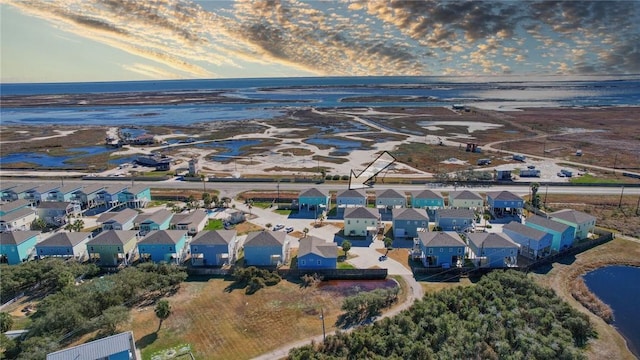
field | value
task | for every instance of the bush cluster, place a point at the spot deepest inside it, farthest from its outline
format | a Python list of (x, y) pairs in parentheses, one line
[(253, 279)]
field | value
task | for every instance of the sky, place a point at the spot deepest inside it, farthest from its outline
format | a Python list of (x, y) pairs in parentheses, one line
[(118, 40)]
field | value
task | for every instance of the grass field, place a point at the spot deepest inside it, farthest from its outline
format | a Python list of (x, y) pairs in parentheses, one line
[(231, 325)]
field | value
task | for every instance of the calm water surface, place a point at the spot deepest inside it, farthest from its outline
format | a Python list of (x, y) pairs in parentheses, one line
[(619, 287)]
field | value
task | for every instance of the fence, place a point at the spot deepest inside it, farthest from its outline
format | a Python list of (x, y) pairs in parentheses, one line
[(327, 274)]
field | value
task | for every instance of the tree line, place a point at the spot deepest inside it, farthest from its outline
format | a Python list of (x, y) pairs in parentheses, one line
[(504, 316)]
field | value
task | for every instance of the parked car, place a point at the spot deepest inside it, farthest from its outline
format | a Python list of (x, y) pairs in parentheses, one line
[(288, 229), (278, 227)]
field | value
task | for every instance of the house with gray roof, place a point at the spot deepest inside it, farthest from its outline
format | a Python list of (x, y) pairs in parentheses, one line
[(533, 243), (266, 248), (64, 244), (193, 221), (11, 206), (163, 246), (407, 222), (20, 191), (441, 248), (427, 199), (563, 234), (465, 199), (316, 253), (351, 198), (214, 248), (118, 220), (361, 221), (45, 192), (503, 204), (56, 212), (582, 222), (390, 199), (116, 347), (18, 220), (159, 220), (313, 199), (17, 246), (65, 193), (88, 195), (494, 250), (112, 247), (461, 219)]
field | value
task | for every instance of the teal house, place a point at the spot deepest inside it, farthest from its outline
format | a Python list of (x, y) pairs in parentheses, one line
[(65, 193), (313, 199), (5, 191), (17, 246), (163, 246), (135, 197), (12, 206), (427, 199), (266, 248), (316, 253), (22, 191), (159, 220), (444, 249), (563, 234)]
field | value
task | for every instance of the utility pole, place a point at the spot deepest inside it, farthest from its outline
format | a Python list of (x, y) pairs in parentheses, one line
[(278, 189), (324, 336), (545, 196), (620, 202)]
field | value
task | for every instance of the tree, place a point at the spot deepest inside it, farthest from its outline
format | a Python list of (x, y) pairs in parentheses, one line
[(204, 182), (112, 317), (162, 310), (6, 322), (388, 243), (346, 246), (267, 225), (39, 224), (535, 198), (250, 205), (305, 231), (192, 202), (486, 218), (74, 225)]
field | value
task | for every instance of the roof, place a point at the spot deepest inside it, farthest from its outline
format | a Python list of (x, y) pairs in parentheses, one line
[(122, 216), (389, 194), (214, 237), (69, 188), (97, 349), (441, 239), (361, 213), (113, 237), (114, 189), (409, 214), (313, 192), (14, 205), (503, 196), (5, 185), (491, 240), (44, 188), (137, 189), (163, 237), (352, 193), (17, 237), (157, 217), (317, 246), (547, 223), (22, 188), (464, 195), (265, 238), (18, 214), (65, 239), (573, 216), (91, 188), (426, 194), (525, 231), (194, 217), (54, 205), (455, 213)]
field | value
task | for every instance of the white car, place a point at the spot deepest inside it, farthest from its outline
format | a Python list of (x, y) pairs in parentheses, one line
[(288, 229), (278, 227)]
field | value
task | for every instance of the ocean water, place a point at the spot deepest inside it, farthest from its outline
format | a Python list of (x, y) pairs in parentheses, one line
[(275, 95)]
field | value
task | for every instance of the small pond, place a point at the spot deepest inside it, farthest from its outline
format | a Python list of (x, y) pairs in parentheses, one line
[(229, 148), (619, 287), (339, 144)]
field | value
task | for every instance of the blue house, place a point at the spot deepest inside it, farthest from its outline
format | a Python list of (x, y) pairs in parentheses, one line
[(214, 248), (65, 193), (17, 246), (65, 244), (313, 199), (455, 219), (266, 248), (533, 243), (351, 198), (390, 199), (159, 220), (22, 191), (5, 191), (110, 196), (441, 248), (163, 245), (504, 204), (408, 222), (117, 347), (316, 253), (45, 192), (118, 220), (562, 233), (88, 195), (135, 197), (494, 250), (427, 199)]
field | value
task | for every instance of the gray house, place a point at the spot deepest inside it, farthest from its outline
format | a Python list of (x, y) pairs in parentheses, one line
[(492, 250), (118, 220), (117, 347), (351, 198), (390, 199), (455, 219), (408, 222), (465, 199)]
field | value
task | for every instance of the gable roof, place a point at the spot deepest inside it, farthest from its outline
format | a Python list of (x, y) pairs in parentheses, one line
[(45, 188), (14, 205), (573, 216), (18, 214), (464, 195), (115, 188), (54, 205), (455, 213), (524, 230), (441, 239), (317, 246), (136, 189), (91, 188), (113, 237), (121, 216), (23, 188), (313, 192), (426, 194), (17, 237), (491, 240), (65, 239), (69, 188), (361, 213), (352, 193), (157, 217), (503, 196), (389, 194), (97, 349), (6, 185), (547, 223), (159, 237), (265, 238), (409, 214), (214, 237), (194, 217)]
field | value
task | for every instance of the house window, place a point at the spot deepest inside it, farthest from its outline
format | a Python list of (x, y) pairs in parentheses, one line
[(441, 250), (459, 251), (450, 249), (319, 262), (92, 248), (302, 262), (195, 249), (348, 222), (170, 248), (430, 251), (118, 248)]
